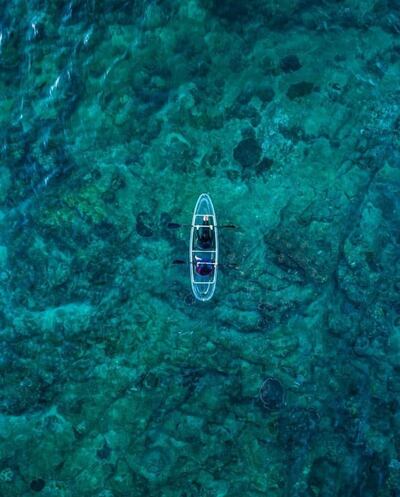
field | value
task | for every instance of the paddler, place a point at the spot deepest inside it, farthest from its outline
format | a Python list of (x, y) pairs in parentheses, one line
[(204, 234), (204, 266)]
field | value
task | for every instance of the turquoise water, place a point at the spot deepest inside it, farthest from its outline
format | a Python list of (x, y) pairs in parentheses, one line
[(114, 117)]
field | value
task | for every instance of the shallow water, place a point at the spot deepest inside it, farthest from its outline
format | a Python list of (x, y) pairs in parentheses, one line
[(114, 118)]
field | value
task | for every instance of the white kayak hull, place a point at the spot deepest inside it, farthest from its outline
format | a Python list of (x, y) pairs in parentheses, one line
[(203, 286)]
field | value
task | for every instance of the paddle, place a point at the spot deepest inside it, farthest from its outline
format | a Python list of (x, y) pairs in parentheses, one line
[(177, 225), (180, 261)]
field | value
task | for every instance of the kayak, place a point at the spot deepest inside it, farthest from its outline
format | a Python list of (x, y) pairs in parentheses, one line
[(203, 285)]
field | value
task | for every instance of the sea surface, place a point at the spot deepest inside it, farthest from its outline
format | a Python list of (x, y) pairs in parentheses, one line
[(114, 117)]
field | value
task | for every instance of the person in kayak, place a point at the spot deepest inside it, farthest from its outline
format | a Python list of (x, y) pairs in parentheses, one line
[(203, 266), (204, 234)]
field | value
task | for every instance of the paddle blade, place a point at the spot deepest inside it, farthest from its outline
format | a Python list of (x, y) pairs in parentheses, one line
[(173, 225), (179, 261), (228, 226)]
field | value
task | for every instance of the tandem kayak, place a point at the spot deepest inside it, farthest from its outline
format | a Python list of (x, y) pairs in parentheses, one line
[(203, 249)]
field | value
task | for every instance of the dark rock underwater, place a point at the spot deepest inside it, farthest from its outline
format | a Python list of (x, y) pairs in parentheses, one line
[(114, 117)]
